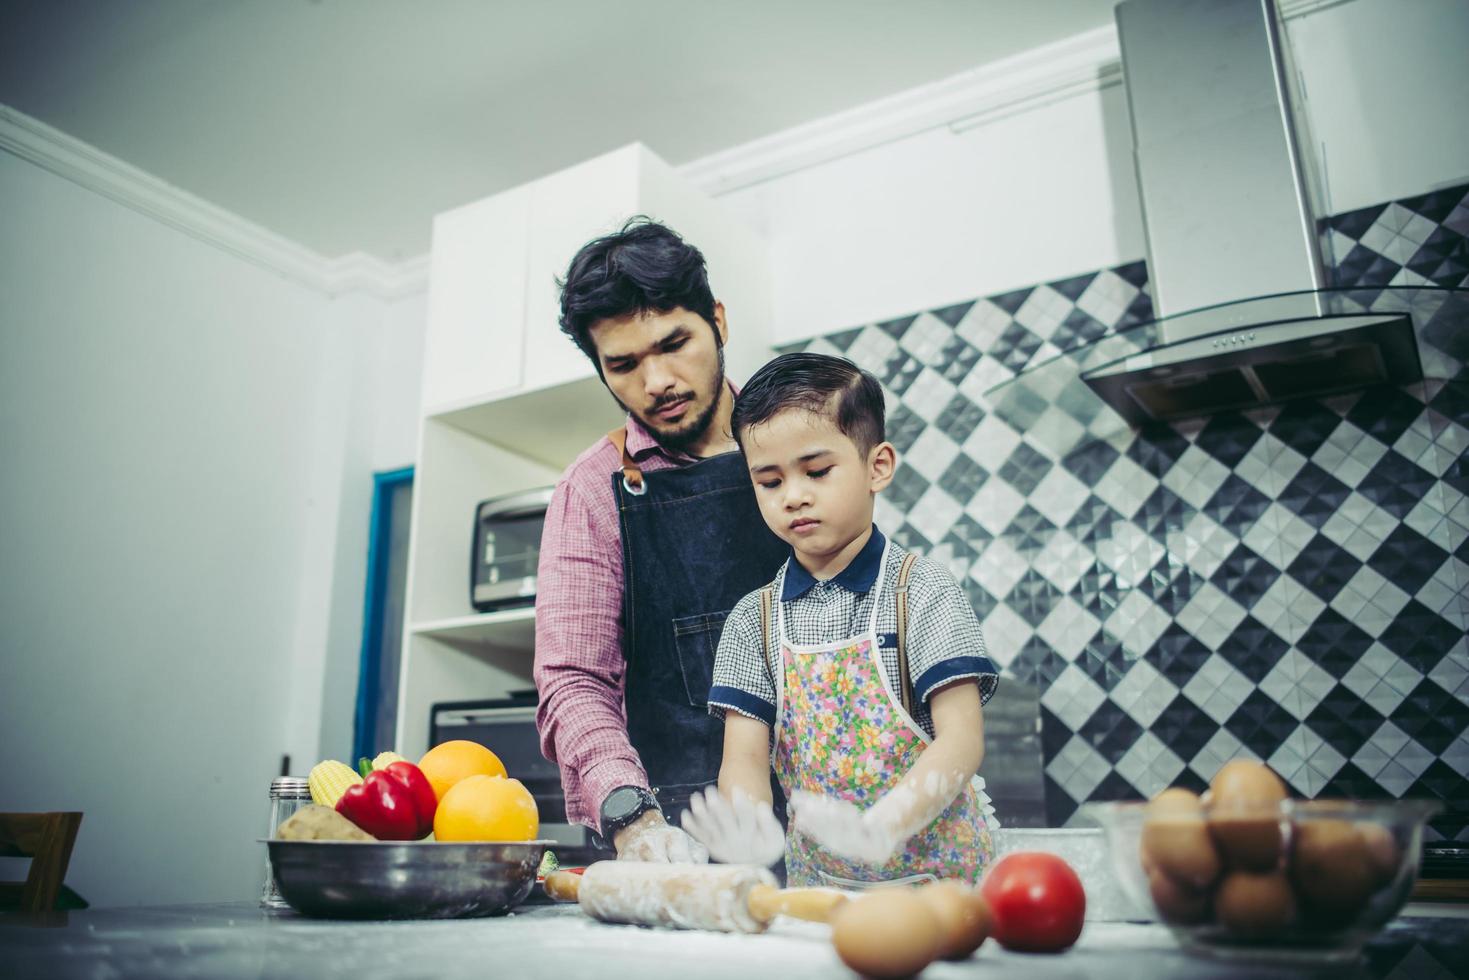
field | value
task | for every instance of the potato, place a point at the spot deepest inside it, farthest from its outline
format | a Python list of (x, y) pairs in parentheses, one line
[(318, 822)]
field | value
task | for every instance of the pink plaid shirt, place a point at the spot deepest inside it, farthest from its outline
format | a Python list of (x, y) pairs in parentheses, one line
[(579, 661)]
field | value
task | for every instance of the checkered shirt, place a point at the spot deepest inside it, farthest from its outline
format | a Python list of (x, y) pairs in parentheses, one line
[(944, 641)]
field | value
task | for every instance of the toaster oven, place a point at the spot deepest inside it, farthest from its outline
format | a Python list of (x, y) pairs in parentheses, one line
[(506, 549)]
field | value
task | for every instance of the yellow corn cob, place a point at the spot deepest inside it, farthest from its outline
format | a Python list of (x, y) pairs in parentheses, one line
[(329, 780), (385, 759)]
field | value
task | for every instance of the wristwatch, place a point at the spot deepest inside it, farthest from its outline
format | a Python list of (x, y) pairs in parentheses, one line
[(623, 806)]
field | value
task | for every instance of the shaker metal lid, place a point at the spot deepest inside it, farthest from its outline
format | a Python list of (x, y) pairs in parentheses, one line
[(290, 787)]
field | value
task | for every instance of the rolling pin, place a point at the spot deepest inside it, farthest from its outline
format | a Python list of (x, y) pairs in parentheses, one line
[(721, 897)]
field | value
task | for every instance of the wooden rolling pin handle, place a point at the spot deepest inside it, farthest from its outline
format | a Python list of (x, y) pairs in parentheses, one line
[(811, 904), (563, 886)]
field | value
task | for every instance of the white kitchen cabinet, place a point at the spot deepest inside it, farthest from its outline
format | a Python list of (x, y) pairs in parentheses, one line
[(508, 401), (476, 299)]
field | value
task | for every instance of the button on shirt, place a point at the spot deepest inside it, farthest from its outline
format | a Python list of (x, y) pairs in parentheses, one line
[(944, 642)]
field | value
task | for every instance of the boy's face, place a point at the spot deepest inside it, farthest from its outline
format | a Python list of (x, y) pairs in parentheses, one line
[(665, 369), (814, 485)]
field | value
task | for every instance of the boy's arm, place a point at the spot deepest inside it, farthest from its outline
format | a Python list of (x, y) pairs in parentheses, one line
[(746, 764), (944, 768), (941, 772), (735, 822)]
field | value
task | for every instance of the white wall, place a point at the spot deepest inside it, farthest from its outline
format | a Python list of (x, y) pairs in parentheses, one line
[(370, 404), (941, 217), (187, 441), (395, 381), (1387, 88)]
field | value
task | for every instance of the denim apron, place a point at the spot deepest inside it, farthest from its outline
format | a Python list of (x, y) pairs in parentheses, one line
[(693, 545)]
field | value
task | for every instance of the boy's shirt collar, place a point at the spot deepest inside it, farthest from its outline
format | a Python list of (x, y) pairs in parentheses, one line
[(857, 577)]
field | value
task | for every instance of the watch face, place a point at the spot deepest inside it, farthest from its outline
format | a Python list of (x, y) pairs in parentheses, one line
[(623, 804)]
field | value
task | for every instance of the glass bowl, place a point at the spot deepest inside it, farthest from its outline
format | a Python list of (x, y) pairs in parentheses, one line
[(1299, 880)]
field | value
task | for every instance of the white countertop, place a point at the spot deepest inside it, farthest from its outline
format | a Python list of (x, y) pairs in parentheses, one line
[(239, 940)]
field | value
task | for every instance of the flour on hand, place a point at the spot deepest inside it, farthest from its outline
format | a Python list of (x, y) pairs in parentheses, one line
[(841, 828), (736, 831)]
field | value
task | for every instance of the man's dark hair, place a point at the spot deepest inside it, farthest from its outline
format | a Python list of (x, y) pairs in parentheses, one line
[(823, 384), (643, 268)]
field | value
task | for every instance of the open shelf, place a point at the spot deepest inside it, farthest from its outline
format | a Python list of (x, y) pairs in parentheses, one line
[(505, 629), (550, 425)]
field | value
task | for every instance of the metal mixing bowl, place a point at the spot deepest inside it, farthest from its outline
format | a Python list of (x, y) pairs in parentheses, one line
[(404, 879)]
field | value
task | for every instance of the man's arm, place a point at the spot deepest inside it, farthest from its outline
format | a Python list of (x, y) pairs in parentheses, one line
[(578, 655), (578, 674)]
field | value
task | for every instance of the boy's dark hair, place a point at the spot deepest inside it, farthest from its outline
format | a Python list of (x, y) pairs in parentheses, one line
[(829, 386), (643, 268)]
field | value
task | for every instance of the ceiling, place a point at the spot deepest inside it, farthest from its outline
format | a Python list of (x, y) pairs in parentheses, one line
[(345, 125)]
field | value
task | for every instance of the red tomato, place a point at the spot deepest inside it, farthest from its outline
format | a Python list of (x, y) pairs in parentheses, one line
[(1036, 901)]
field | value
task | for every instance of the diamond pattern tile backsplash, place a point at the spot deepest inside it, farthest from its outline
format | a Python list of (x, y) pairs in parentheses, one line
[(1289, 584)]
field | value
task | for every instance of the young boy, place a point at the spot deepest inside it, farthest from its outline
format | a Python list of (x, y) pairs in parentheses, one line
[(867, 706)]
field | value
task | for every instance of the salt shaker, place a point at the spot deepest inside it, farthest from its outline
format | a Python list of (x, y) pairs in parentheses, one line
[(287, 795)]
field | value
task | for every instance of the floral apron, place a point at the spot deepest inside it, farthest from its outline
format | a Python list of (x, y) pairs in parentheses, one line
[(840, 732)]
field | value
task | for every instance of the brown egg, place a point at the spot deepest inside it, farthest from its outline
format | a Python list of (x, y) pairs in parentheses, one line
[(1176, 840), (1255, 906), (1241, 809), (1382, 851), (1177, 904), (889, 932), (1332, 870), (963, 917)]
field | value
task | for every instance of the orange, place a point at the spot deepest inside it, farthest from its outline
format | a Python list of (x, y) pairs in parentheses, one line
[(447, 763), (487, 808)]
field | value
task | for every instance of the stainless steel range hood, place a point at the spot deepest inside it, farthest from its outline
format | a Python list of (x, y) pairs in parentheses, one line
[(1244, 315)]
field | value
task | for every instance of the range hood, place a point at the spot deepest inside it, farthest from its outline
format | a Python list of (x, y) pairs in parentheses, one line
[(1245, 317)]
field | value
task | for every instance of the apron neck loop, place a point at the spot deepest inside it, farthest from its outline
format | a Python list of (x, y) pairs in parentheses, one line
[(632, 474)]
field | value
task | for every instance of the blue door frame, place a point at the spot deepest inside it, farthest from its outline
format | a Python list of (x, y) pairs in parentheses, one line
[(369, 664)]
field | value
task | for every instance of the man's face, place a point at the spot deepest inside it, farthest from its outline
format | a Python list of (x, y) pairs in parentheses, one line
[(666, 369)]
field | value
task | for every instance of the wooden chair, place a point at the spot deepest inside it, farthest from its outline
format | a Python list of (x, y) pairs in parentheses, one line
[(45, 838)]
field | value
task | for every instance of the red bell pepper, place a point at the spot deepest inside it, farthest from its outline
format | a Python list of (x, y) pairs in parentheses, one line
[(395, 803)]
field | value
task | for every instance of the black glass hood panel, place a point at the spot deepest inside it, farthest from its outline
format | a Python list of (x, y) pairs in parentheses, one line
[(1240, 355)]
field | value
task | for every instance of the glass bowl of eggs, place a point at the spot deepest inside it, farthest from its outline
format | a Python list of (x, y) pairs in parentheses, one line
[(1243, 871)]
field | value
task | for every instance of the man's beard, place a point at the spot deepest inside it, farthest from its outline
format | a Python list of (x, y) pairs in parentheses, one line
[(680, 439)]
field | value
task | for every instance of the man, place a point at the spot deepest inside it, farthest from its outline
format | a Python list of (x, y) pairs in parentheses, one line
[(652, 536)]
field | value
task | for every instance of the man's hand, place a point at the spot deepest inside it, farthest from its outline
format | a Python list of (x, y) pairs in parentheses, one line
[(842, 829), (737, 831), (649, 838)]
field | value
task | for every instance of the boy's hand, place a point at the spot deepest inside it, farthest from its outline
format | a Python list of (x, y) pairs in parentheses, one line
[(738, 831), (843, 829)]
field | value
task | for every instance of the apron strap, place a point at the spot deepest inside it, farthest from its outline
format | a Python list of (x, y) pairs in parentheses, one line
[(767, 598), (902, 591), (632, 474)]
